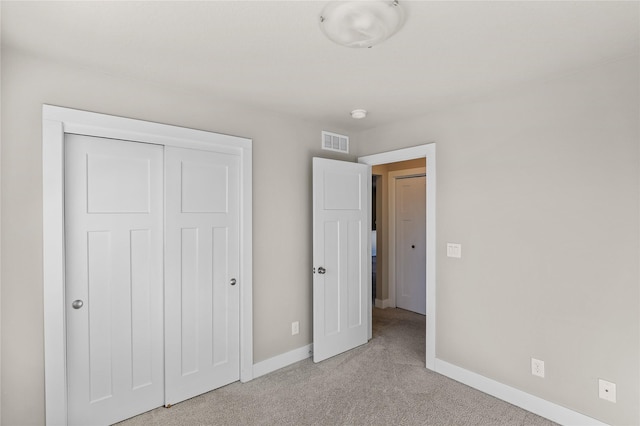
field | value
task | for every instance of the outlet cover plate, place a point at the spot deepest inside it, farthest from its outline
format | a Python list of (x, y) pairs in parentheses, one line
[(295, 328), (537, 367), (607, 390)]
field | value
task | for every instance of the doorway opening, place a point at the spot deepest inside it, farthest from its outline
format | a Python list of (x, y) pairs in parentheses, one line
[(419, 157), (400, 235)]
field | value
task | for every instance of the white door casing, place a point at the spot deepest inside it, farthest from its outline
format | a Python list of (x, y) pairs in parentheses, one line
[(59, 122), (341, 289), (410, 233), (202, 259), (114, 272)]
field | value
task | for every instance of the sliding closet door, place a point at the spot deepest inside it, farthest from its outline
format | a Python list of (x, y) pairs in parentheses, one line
[(113, 232), (120, 362), (201, 272)]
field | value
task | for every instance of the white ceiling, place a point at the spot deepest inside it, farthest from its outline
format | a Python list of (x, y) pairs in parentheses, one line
[(272, 54)]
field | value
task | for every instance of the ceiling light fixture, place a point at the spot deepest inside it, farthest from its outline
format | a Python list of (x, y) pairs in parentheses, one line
[(361, 23), (358, 113)]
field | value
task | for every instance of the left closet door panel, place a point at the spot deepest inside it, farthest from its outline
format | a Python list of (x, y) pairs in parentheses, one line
[(114, 278)]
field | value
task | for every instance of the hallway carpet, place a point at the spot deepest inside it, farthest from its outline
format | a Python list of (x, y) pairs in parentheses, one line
[(381, 383)]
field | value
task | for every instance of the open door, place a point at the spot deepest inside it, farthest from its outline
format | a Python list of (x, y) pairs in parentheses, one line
[(341, 300)]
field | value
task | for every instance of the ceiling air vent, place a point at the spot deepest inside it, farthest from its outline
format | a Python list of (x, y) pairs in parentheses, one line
[(335, 142)]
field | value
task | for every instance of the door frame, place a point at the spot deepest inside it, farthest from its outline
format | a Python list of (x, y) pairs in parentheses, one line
[(56, 122), (427, 151), (392, 243)]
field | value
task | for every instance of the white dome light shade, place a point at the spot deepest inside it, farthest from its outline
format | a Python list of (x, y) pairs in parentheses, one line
[(358, 113), (361, 23)]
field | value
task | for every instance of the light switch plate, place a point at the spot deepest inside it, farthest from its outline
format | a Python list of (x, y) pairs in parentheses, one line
[(454, 250)]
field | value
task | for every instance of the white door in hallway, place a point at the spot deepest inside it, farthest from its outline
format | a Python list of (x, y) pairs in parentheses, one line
[(410, 212), (202, 322), (114, 273), (341, 261)]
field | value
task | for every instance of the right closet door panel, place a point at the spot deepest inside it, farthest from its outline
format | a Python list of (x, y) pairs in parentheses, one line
[(202, 310)]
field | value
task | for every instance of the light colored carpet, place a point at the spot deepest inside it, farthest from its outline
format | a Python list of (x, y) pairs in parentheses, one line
[(381, 383)]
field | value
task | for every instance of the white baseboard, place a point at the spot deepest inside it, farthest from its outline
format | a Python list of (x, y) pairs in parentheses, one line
[(280, 361), (384, 303), (529, 402)]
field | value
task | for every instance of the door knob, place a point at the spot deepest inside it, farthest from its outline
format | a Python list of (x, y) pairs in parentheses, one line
[(233, 281), (321, 270), (77, 304)]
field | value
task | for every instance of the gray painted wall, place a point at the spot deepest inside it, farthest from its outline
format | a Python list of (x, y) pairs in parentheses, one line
[(541, 188)]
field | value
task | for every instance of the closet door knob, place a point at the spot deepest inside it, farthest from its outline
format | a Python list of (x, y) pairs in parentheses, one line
[(77, 304)]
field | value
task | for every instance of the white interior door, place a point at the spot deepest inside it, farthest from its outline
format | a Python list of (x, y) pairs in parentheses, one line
[(113, 225), (411, 243), (202, 266), (341, 300)]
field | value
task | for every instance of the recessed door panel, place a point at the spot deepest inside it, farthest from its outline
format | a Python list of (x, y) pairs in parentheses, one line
[(220, 314), (141, 295), (99, 306), (197, 175), (350, 195), (117, 184), (355, 285), (189, 259), (332, 301)]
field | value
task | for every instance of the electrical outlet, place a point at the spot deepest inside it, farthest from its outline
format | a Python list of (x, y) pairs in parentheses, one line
[(295, 328), (537, 367), (607, 390)]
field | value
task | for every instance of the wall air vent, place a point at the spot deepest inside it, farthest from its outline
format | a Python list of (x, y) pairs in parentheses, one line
[(335, 142)]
